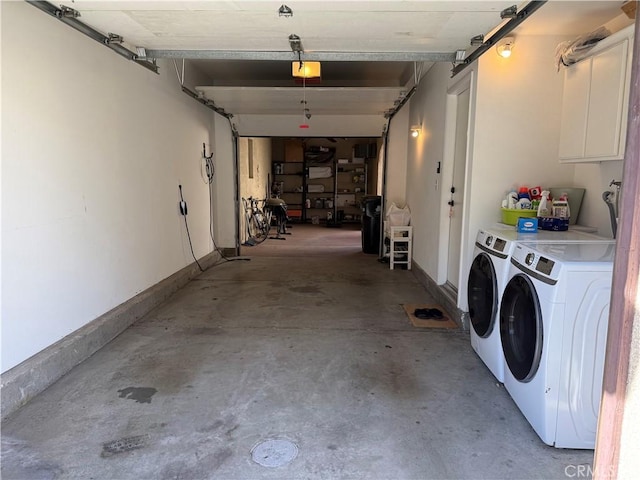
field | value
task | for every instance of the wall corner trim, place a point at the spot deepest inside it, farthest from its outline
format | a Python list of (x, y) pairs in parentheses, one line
[(26, 380)]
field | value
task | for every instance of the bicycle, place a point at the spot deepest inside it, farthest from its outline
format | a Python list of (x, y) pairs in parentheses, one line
[(258, 219)]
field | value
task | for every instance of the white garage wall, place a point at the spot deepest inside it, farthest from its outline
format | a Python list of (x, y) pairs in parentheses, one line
[(93, 150), (396, 179), (427, 108), (595, 178), (224, 184), (517, 125)]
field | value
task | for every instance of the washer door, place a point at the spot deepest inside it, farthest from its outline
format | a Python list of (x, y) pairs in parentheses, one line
[(521, 328), (482, 295)]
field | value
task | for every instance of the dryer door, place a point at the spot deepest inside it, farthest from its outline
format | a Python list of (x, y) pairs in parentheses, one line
[(521, 328), (482, 295)]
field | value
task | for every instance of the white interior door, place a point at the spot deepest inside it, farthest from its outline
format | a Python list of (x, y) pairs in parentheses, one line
[(457, 189)]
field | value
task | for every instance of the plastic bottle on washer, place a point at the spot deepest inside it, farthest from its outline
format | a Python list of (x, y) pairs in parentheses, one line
[(543, 207), (560, 207)]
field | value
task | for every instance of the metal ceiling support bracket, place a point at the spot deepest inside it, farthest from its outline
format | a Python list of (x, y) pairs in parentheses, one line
[(505, 30), (68, 12), (285, 11), (181, 76), (295, 43), (207, 103), (114, 38), (477, 40), (391, 112), (509, 12), (310, 56), (69, 16)]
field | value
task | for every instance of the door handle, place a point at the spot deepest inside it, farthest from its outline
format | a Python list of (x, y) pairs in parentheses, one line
[(450, 203)]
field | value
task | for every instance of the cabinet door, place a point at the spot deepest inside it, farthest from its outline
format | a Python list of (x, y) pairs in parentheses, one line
[(575, 103), (606, 103)]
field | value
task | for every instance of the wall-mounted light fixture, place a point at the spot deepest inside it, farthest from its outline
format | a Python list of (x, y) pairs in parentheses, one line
[(415, 130), (305, 69), (505, 46)]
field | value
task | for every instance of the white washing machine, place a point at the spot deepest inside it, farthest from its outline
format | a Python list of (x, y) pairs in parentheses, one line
[(554, 317), (485, 284), (488, 276)]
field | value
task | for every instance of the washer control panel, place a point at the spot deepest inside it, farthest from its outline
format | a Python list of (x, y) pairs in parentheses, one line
[(489, 241)]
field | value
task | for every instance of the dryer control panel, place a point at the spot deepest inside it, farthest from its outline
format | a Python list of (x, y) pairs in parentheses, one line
[(532, 262), (545, 265)]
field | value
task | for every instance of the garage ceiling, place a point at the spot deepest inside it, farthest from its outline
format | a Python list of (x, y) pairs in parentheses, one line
[(372, 52)]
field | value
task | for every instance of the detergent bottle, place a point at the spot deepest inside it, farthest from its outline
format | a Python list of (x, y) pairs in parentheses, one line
[(524, 193)]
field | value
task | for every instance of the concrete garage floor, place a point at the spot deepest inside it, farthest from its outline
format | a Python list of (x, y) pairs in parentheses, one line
[(312, 348)]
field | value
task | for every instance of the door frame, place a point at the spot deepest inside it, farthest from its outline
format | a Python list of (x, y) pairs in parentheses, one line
[(461, 84)]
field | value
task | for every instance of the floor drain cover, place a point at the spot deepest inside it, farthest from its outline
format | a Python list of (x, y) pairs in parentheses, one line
[(274, 453)]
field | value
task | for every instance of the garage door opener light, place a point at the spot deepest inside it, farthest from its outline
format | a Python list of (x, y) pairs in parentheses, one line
[(302, 69)]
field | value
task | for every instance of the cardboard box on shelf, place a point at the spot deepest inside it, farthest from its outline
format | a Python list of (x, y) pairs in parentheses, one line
[(293, 151)]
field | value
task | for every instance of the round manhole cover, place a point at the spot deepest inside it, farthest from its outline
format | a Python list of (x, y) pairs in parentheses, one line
[(274, 453)]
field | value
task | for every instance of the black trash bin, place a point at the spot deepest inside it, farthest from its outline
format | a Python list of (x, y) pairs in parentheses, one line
[(371, 207)]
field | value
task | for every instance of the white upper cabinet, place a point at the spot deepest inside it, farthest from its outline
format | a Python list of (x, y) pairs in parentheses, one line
[(595, 102)]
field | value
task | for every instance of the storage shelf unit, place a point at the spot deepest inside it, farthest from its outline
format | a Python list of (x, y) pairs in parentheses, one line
[(333, 196), (320, 190), (351, 187), (288, 179)]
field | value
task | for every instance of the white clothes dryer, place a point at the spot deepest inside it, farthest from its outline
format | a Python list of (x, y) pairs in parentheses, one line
[(554, 317), (488, 276)]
